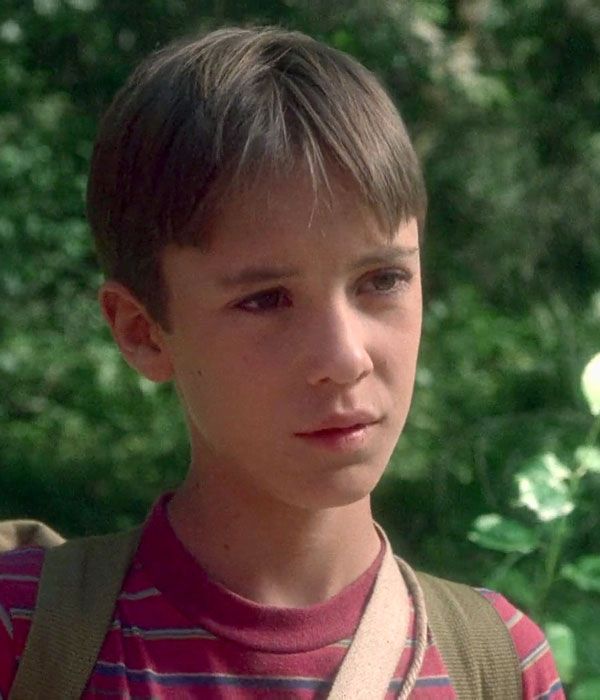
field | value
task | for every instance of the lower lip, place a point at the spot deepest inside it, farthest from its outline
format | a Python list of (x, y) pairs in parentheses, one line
[(339, 439)]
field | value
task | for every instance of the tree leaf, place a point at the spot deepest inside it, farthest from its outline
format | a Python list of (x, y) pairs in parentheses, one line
[(590, 384), (589, 689), (588, 458), (493, 531), (562, 642), (584, 573), (542, 487), (514, 584)]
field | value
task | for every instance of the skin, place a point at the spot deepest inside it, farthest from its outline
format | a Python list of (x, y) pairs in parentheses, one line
[(256, 363)]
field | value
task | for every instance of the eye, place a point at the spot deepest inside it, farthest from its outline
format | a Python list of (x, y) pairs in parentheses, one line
[(388, 281), (268, 300)]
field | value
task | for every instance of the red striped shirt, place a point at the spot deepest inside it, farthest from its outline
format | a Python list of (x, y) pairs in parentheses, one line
[(178, 634)]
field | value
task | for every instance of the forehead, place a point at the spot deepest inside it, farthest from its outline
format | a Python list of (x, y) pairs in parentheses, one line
[(280, 228), (294, 209), (279, 231)]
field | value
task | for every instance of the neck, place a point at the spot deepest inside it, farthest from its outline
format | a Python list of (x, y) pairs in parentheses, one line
[(269, 552)]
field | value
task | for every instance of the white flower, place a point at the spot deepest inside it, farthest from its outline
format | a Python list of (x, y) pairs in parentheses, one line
[(590, 384)]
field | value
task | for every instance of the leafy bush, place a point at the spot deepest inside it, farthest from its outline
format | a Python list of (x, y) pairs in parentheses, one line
[(555, 494)]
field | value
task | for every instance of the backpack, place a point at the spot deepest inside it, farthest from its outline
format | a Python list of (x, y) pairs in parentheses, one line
[(81, 580)]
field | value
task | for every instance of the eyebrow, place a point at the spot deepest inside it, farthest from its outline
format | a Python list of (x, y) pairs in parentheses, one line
[(255, 274), (385, 256)]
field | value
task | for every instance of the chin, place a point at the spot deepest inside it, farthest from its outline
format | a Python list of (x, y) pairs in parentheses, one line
[(342, 489)]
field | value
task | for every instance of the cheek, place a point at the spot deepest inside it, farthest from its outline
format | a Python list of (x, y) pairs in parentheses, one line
[(258, 361), (224, 381), (400, 338), (399, 362)]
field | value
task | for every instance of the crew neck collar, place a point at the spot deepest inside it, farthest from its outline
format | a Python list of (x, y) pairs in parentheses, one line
[(210, 605)]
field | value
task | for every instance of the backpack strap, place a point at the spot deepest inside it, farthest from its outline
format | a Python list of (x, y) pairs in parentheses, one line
[(27, 533), (81, 580), (475, 644), (371, 660), (80, 583)]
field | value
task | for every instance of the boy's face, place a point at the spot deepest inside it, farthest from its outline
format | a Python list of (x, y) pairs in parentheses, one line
[(293, 343)]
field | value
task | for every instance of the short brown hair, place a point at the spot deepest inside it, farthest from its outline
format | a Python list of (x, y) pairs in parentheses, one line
[(215, 111)]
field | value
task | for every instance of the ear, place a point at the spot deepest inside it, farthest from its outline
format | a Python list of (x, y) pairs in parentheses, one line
[(139, 337)]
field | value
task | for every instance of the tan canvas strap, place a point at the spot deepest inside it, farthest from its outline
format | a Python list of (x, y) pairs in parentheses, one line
[(81, 581), (475, 644), (371, 660), (27, 533)]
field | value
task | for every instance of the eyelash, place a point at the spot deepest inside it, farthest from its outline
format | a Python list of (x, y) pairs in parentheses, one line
[(402, 278), (262, 295)]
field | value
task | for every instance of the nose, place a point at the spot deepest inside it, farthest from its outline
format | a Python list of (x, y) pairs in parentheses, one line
[(337, 347)]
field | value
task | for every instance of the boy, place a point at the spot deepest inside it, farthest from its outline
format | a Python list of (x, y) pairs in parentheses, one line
[(258, 210)]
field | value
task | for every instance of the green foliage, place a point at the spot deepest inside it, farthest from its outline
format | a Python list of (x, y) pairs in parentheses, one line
[(588, 690), (502, 101), (584, 573), (553, 492), (543, 488), (562, 641), (501, 534)]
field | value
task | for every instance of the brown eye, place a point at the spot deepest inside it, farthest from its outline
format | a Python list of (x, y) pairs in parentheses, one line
[(388, 281), (269, 300)]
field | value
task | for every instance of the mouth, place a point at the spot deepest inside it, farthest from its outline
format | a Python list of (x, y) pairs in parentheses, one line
[(331, 432), (340, 438), (342, 422)]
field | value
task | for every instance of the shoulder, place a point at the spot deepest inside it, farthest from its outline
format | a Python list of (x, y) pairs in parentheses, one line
[(538, 668), (20, 571)]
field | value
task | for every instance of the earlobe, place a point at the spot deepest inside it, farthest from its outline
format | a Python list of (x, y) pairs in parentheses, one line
[(139, 337)]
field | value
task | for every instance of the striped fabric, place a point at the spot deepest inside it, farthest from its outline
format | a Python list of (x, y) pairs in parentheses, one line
[(177, 634)]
